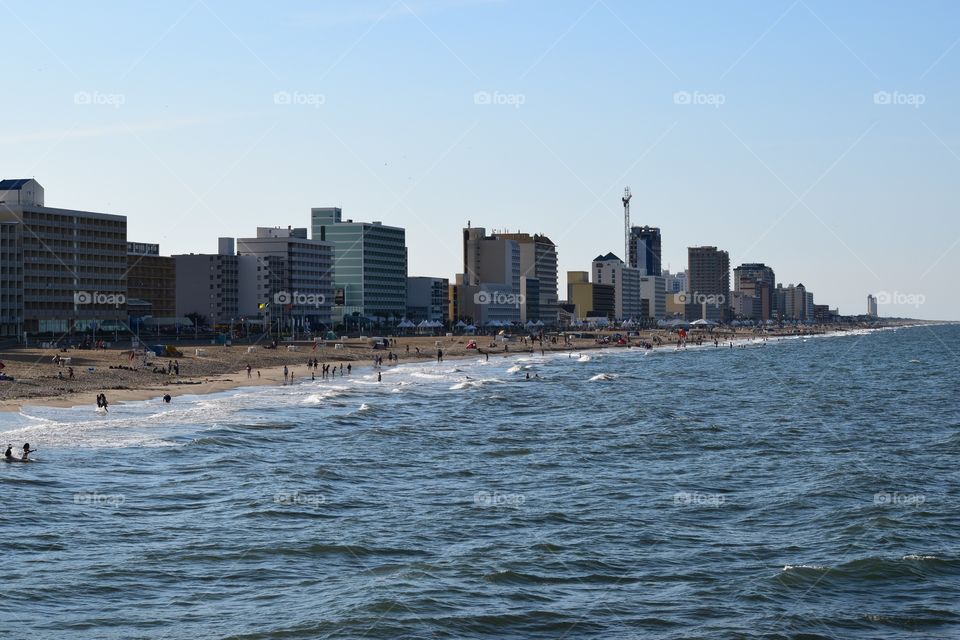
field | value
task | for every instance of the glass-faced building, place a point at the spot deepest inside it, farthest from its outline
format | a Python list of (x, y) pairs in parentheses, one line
[(370, 265)]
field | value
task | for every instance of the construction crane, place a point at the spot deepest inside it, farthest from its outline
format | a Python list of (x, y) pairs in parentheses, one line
[(626, 224)]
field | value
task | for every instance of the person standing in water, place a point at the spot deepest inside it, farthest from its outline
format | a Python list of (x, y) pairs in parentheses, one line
[(8, 454), (26, 451), (286, 374)]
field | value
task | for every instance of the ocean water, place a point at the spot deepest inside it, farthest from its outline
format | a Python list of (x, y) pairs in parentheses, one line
[(781, 489)]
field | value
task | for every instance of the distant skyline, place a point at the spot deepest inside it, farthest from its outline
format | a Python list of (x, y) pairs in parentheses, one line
[(819, 138)]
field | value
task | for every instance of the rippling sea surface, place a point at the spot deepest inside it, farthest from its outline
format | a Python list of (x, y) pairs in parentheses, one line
[(788, 488)]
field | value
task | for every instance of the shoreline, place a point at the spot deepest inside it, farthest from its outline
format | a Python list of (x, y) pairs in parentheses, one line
[(272, 375)]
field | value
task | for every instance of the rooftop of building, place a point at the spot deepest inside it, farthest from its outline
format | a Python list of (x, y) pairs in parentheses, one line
[(13, 184), (521, 237), (608, 258)]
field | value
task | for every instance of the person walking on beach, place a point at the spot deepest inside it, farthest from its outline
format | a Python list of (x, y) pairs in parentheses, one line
[(286, 374), (439, 355), (349, 368), (249, 369)]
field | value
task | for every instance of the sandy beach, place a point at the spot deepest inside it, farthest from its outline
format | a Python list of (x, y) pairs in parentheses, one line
[(40, 381)]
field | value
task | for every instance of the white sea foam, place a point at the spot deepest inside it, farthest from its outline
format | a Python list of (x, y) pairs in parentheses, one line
[(603, 376), (473, 384)]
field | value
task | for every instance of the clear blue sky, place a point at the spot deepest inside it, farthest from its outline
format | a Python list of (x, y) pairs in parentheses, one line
[(167, 113)]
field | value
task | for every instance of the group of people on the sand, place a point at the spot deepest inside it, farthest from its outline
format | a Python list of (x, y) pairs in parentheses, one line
[(24, 453)]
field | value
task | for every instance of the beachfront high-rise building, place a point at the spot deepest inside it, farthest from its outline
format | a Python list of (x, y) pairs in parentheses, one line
[(708, 296), (580, 293), (611, 270), (208, 284), (294, 278), (11, 279), (428, 299), (872, 305), (675, 282), (489, 289), (72, 264), (792, 302), (755, 280), (538, 259), (645, 250), (653, 296), (370, 264), (152, 278)]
